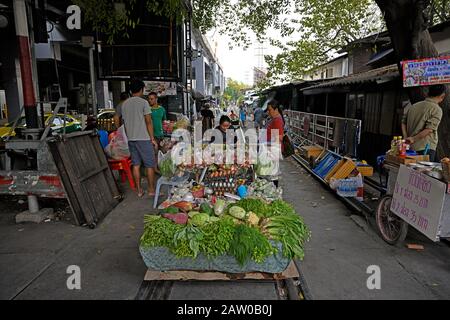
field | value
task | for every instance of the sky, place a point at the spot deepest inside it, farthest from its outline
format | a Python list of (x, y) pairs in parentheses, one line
[(238, 63)]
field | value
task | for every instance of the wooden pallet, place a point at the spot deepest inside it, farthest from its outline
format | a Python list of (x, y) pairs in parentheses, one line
[(189, 275)]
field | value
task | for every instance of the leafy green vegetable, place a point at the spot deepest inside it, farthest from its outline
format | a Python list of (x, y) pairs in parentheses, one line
[(281, 208), (219, 207), (259, 207), (248, 242), (290, 230), (167, 166), (187, 242), (158, 232), (237, 212), (200, 219), (171, 210), (206, 208), (217, 238)]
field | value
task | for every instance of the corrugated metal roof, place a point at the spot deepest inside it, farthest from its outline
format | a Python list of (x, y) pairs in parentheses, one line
[(384, 73)]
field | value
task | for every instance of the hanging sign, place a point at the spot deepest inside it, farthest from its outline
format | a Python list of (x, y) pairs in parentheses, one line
[(161, 88), (426, 72)]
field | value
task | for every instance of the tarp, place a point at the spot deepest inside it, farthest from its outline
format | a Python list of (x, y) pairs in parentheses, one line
[(161, 259)]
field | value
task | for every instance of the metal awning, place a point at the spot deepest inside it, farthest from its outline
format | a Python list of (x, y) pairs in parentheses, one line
[(383, 74), (379, 56)]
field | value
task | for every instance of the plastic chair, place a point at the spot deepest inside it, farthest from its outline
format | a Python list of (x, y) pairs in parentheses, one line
[(170, 183), (124, 168)]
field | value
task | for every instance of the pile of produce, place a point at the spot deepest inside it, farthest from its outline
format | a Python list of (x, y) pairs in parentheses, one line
[(264, 189), (227, 178), (167, 166), (245, 229)]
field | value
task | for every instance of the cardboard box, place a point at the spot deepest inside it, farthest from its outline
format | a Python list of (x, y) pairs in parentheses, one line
[(407, 159), (310, 151)]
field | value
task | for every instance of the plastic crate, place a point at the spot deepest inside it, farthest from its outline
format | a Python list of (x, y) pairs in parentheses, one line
[(345, 170), (334, 170), (365, 170)]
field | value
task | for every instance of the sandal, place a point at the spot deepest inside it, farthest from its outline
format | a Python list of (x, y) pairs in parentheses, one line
[(141, 193)]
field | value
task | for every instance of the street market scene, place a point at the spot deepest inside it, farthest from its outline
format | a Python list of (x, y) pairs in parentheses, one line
[(225, 150)]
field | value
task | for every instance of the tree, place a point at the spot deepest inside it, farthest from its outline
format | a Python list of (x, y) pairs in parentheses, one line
[(234, 92), (407, 22), (322, 27)]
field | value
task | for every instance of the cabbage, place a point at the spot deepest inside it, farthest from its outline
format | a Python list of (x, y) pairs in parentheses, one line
[(200, 219), (219, 207), (237, 212)]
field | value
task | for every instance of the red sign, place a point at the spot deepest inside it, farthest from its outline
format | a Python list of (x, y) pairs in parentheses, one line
[(426, 72)]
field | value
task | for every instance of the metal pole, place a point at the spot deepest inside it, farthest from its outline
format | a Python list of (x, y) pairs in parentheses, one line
[(92, 74), (21, 24)]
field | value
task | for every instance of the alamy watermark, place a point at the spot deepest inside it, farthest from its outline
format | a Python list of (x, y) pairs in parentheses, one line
[(74, 280), (225, 147), (374, 280)]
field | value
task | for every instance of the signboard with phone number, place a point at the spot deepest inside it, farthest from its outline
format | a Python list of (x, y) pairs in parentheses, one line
[(418, 199), (426, 72)]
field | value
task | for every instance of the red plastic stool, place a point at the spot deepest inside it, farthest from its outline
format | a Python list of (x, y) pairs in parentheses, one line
[(123, 166)]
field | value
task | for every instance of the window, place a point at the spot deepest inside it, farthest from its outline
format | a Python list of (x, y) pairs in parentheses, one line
[(330, 73)]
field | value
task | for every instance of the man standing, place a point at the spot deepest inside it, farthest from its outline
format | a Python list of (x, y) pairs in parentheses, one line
[(158, 116), (137, 118), (207, 117), (422, 122), (258, 117)]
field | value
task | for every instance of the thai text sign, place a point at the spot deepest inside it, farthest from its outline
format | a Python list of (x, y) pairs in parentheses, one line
[(425, 72), (419, 199)]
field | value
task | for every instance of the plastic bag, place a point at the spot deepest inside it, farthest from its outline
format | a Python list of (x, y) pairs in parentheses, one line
[(349, 188), (117, 148), (166, 165), (268, 163)]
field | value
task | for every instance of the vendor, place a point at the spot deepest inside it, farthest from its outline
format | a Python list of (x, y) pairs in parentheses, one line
[(422, 121), (276, 122), (222, 129)]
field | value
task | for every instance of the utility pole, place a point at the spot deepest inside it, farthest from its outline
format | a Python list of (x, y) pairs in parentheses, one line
[(29, 98)]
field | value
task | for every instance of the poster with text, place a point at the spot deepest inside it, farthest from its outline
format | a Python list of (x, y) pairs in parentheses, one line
[(419, 199), (426, 72)]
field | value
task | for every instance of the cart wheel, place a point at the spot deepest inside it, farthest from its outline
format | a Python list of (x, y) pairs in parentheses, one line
[(392, 229)]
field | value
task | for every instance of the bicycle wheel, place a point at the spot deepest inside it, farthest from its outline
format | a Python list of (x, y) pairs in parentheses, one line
[(392, 229)]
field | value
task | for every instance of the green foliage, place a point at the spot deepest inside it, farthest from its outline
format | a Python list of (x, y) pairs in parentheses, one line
[(259, 207), (234, 92), (217, 238), (116, 18), (249, 243)]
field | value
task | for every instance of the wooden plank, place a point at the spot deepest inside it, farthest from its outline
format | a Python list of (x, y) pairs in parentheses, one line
[(110, 180), (71, 195), (92, 173), (80, 192), (187, 275)]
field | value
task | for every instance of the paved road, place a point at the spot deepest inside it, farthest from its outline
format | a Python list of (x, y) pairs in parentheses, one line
[(34, 258)]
